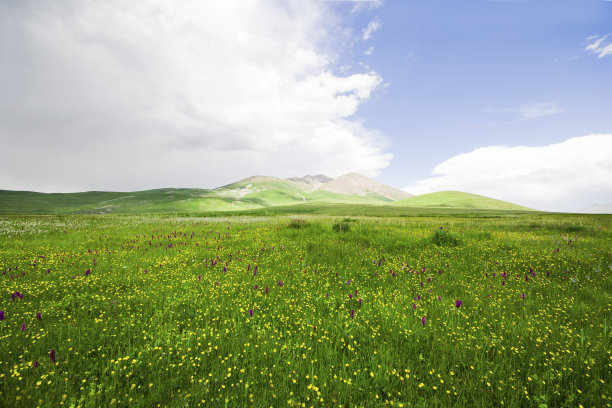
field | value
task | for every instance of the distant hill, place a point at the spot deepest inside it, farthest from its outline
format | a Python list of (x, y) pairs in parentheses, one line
[(250, 193), (597, 209), (458, 199), (356, 184)]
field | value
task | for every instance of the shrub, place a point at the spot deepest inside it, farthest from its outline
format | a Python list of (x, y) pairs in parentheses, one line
[(298, 223), (444, 238), (341, 227)]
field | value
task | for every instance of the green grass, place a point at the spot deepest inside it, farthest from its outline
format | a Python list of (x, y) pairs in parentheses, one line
[(459, 199), (281, 196), (163, 318)]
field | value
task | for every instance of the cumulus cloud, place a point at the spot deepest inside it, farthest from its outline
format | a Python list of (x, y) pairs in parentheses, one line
[(599, 45), (559, 177), (132, 95), (372, 27)]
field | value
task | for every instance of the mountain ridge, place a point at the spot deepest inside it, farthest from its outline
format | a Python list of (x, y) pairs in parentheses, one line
[(251, 193)]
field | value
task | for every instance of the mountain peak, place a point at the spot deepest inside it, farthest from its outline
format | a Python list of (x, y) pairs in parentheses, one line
[(355, 183)]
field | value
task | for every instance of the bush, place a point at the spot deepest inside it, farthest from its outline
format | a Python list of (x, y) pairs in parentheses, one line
[(342, 227), (298, 223), (444, 238)]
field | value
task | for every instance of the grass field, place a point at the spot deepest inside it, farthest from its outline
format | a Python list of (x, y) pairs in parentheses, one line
[(472, 309)]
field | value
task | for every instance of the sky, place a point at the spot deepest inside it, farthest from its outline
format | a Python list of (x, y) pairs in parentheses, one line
[(509, 99)]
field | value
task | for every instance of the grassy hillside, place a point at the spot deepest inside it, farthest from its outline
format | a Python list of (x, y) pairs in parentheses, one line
[(229, 198), (459, 199)]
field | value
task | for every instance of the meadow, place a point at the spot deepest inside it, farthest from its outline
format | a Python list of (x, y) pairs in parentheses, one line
[(480, 310)]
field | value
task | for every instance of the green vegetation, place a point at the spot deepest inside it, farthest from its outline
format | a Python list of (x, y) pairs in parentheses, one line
[(458, 199), (442, 237), (286, 311), (255, 193)]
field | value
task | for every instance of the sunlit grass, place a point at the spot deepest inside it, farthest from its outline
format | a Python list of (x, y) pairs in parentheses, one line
[(279, 312)]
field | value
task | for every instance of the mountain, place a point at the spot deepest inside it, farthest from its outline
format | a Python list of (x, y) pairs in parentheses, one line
[(458, 199), (356, 184), (308, 192), (597, 209), (351, 188), (311, 183)]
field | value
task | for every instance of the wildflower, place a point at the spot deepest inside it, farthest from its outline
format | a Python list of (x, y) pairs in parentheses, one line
[(423, 320), (256, 287), (266, 290), (35, 363), (23, 327), (280, 284), (38, 316), (251, 312), (352, 313), (458, 303), (52, 355), (523, 296), (87, 272), (199, 278), (414, 306), (1, 314), (439, 298)]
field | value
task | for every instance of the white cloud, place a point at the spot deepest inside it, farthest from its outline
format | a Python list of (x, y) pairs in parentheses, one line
[(538, 110), (372, 27), (527, 112), (369, 51), (122, 95), (559, 177), (599, 45)]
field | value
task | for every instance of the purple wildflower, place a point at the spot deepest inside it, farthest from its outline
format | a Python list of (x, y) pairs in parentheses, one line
[(458, 303), (352, 313), (87, 272), (251, 312), (35, 363), (423, 320), (52, 355), (1, 314), (414, 306), (256, 286), (439, 298), (38, 316), (280, 284), (23, 327), (266, 290), (523, 296)]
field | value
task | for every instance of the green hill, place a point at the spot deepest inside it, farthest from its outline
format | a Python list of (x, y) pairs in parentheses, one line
[(252, 193), (458, 199)]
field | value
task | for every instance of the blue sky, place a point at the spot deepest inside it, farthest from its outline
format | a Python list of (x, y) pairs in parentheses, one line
[(458, 73), (509, 99)]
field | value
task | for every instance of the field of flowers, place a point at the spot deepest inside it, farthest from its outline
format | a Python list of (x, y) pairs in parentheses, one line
[(318, 311)]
